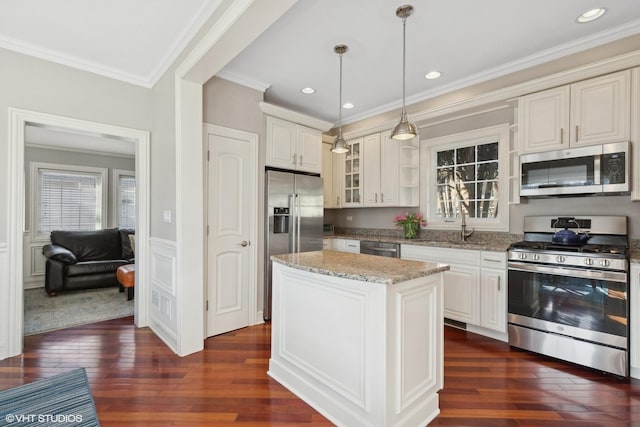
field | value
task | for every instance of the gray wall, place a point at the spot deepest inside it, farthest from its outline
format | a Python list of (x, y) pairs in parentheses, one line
[(64, 157), (38, 85), (234, 106)]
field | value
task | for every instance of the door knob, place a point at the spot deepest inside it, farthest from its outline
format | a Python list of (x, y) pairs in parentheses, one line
[(243, 243)]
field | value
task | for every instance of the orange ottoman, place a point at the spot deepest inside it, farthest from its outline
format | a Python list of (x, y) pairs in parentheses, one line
[(126, 275)]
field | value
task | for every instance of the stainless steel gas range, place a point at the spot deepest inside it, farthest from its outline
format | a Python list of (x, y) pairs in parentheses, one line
[(568, 290)]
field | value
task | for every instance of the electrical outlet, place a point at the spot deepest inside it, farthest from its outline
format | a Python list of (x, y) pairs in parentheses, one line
[(349, 218)]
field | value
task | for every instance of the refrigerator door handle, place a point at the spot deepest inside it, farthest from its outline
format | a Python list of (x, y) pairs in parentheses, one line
[(297, 229), (292, 213)]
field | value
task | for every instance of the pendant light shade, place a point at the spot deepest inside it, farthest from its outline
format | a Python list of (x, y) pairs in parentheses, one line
[(405, 129), (340, 145)]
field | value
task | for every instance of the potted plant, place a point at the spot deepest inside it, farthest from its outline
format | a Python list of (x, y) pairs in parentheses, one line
[(410, 224)]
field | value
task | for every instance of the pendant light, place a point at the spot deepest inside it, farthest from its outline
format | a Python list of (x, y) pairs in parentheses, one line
[(405, 129), (340, 146)]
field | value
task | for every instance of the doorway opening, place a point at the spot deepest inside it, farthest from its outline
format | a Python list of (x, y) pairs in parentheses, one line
[(19, 120)]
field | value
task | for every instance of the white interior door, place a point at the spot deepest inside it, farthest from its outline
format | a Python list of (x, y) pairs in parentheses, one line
[(232, 199)]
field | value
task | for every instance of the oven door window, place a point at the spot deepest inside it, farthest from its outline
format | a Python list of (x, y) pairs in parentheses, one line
[(597, 305)]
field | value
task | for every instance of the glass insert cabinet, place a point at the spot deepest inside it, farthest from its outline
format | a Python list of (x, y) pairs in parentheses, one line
[(352, 174)]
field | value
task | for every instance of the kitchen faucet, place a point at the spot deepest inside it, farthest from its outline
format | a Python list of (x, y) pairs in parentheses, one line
[(463, 226)]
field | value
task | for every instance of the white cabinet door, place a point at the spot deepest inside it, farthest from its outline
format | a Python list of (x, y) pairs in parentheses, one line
[(543, 120), (281, 143), (330, 197), (381, 165), (309, 149), (351, 175), (389, 170), (327, 244), (371, 170), (600, 110), (462, 293), (594, 111), (493, 291), (351, 245), (461, 282), (634, 320)]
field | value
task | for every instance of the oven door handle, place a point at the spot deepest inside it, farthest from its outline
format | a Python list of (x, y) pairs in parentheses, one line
[(614, 276)]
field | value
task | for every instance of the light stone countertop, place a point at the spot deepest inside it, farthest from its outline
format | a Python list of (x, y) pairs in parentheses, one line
[(495, 246), (364, 268), (635, 256)]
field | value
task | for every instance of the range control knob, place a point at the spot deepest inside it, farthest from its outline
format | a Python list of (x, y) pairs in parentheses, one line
[(561, 258), (535, 257), (522, 255), (588, 261), (605, 263)]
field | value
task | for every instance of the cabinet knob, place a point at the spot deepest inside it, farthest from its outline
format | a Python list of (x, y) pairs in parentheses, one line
[(381, 197), (376, 197), (293, 158), (300, 159)]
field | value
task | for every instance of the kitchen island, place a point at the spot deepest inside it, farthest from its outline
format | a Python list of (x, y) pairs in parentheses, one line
[(359, 337)]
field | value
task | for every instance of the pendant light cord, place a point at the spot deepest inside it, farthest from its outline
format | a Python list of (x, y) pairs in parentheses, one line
[(404, 61), (340, 101)]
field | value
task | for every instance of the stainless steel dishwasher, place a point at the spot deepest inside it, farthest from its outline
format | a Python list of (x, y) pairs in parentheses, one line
[(387, 249)]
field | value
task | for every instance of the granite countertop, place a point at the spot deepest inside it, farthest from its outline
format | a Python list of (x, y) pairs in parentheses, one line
[(635, 256), (365, 268), (496, 246)]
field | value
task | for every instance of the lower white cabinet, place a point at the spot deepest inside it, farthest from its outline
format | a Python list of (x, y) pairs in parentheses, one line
[(634, 320), (475, 290), (327, 244), (346, 245)]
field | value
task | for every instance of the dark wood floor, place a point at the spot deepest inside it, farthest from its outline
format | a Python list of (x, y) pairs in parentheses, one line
[(136, 380)]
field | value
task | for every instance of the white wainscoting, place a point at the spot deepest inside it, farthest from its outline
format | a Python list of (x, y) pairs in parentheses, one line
[(361, 353), (33, 261), (4, 310), (163, 315)]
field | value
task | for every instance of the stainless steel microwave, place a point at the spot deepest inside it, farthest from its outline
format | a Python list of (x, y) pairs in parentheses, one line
[(597, 169)]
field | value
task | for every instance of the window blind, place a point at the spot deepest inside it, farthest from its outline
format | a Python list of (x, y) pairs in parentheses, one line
[(127, 201), (69, 201)]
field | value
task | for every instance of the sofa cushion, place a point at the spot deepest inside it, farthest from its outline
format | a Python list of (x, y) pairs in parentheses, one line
[(94, 267), (90, 245), (128, 251)]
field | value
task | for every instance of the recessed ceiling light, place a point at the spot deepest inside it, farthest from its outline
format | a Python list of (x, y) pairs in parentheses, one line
[(308, 90), (432, 75), (347, 105), (591, 15)]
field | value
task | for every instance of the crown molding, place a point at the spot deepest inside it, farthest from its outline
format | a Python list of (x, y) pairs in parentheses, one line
[(72, 61), (539, 58), (508, 94), (293, 116), (243, 81)]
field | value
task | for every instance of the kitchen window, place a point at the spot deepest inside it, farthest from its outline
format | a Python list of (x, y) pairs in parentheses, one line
[(467, 171), (67, 197)]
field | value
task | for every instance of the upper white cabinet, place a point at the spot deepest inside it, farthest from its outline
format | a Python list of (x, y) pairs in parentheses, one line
[(331, 176), (351, 175), (589, 112), (635, 133), (293, 146), (390, 171)]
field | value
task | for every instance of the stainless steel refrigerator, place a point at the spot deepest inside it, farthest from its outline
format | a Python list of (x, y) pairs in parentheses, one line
[(294, 218)]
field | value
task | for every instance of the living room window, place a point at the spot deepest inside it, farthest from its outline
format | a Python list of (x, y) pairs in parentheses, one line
[(67, 197), (124, 188), (468, 172)]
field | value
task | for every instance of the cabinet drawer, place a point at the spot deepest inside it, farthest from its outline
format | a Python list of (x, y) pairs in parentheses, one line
[(491, 259)]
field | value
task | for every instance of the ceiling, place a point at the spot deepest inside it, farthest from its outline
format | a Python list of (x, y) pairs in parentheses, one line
[(130, 40), (468, 41)]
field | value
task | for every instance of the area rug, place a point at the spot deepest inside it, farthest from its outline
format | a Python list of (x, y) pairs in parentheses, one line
[(43, 313), (61, 400)]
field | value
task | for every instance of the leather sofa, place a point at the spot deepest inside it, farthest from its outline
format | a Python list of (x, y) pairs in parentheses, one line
[(85, 259)]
